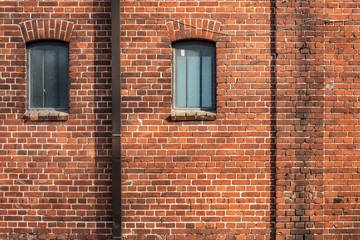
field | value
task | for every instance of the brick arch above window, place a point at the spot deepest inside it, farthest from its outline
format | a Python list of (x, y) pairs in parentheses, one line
[(194, 29), (33, 30)]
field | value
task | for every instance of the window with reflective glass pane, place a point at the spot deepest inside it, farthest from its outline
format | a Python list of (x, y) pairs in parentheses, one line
[(194, 77), (47, 74)]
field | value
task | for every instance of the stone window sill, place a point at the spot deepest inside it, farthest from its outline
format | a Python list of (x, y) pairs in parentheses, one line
[(46, 115), (192, 115)]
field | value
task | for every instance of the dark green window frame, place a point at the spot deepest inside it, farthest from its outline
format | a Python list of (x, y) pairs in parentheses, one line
[(48, 75)]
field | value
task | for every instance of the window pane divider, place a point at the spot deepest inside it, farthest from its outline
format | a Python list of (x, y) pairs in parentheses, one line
[(201, 66), (43, 78), (187, 79)]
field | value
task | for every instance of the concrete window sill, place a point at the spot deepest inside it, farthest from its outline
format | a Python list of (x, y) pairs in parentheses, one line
[(46, 115), (192, 115)]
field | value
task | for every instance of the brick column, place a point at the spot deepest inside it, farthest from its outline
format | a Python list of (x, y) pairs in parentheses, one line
[(300, 122)]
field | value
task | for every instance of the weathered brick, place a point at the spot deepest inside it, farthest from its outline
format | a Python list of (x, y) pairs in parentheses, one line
[(283, 132), (278, 158), (41, 167)]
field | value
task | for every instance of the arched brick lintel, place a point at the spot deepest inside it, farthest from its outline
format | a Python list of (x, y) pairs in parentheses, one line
[(34, 30), (194, 29)]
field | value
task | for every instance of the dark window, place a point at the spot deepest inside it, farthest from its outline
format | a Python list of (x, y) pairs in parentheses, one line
[(48, 74), (194, 75)]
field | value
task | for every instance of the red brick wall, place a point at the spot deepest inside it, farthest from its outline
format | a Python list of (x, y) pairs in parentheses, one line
[(55, 176), (280, 160)]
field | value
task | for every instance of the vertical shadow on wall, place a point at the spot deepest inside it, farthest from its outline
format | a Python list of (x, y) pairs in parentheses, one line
[(273, 120), (102, 136)]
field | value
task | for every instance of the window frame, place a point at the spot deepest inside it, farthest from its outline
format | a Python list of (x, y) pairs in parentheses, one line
[(30, 81), (212, 45)]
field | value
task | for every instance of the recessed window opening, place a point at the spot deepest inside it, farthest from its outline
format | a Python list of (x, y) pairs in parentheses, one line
[(48, 75), (194, 75)]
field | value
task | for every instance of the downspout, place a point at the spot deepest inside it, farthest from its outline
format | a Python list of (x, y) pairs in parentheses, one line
[(116, 118), (273, 121)]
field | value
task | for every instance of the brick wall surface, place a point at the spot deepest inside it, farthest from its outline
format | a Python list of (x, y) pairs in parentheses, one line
[(55, 176), (281, 160)]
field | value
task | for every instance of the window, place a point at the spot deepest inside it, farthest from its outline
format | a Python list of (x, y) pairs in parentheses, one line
[(194, 75), (48, 74)]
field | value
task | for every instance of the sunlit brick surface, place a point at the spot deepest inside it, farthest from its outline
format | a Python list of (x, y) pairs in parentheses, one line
[(55, 176), (281, 159)]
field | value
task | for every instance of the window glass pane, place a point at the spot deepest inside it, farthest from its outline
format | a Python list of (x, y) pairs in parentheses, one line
[(36, 78), (197, 72), (48, 70), (193, 64), (206, 87), (180, 87), (51, 78), (63, 78)]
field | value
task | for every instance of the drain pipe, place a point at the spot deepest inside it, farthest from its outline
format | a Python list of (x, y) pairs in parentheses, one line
[(116, 118)]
